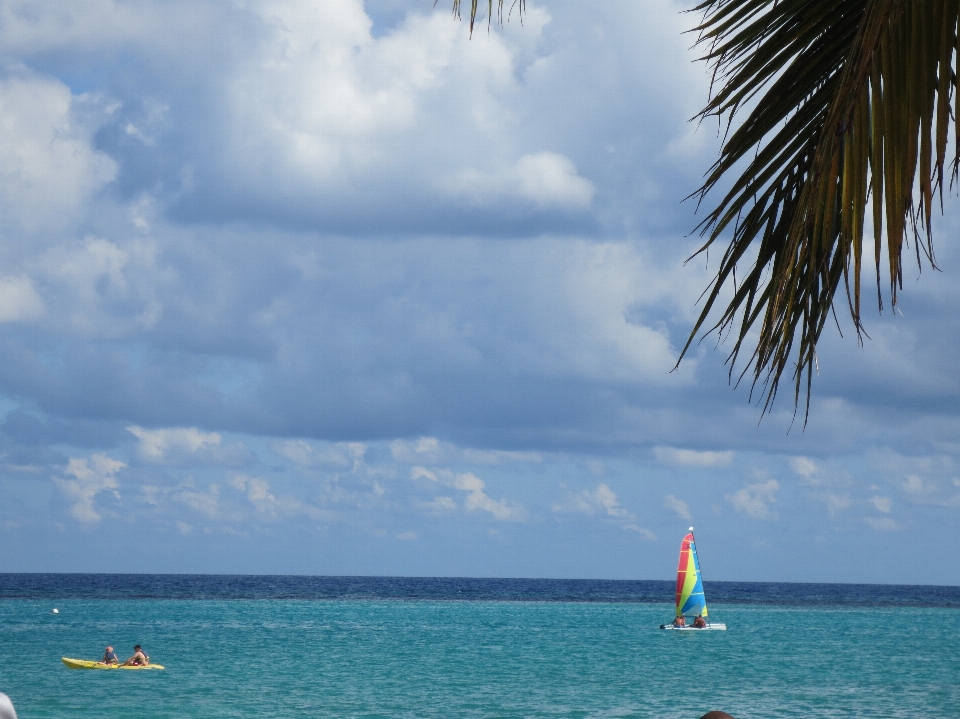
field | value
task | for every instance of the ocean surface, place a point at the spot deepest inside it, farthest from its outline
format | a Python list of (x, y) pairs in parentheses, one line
[(402, 647)]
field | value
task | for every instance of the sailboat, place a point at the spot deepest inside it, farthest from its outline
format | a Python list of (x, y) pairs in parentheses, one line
[(691, 600)]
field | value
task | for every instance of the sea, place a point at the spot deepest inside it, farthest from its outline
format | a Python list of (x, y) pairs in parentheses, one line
[(294, 646)]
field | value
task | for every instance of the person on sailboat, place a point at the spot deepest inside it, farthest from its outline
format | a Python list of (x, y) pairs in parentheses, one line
[(680, 621), (699, 622)]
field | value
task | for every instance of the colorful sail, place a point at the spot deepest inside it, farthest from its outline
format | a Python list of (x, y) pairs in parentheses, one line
[(690, 598)]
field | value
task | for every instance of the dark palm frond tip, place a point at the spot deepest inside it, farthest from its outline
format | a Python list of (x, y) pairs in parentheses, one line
[(475, 9), (854, 115)]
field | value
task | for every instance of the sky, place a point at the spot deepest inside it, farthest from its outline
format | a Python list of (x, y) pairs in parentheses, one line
[(332, 288)]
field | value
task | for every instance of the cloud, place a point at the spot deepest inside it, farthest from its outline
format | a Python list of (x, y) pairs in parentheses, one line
[(263, 500), (19, 301), (601, 500), (439, 504), (645, 533), (423, 473), (605, 497), (207, 503), (225, 275), (914, 485), (98, 288), (882, 504), (544, 178), (803, 466), (255, 493), (157, 443), (678, 506), (921, 491), (320, 107), (836, 502), (692, 458), (477, 499), (430, 450), (305, 454), (818, 475), (91, 476), (423, 449), (296, 450), (883, 524), (151, 494), (500, 456), (48, 167), (754, 500)]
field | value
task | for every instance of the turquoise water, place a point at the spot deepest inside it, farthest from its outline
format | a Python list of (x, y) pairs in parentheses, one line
[(357, 658)]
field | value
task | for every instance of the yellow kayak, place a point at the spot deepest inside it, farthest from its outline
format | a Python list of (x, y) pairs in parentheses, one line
[(87, 664)]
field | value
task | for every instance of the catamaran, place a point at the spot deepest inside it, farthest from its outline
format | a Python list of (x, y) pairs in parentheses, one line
[(690, 598)]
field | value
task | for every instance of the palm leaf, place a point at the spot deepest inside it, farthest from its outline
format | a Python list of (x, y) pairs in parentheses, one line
[(847, 106), (475, 10)]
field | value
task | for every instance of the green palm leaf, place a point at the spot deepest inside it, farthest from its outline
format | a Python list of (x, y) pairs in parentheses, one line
[(475, 10), (849, 108)]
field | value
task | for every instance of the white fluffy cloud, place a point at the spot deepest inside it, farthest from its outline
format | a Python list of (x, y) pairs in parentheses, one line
[(421, 450), (692, 458), (95, 287), (804, 466), (679, 506), (19, 301), (90, 476), (48, 167), (207, 502), (477, 498), (883, 524), (430, 450), (321, 105), (476, 495), (306, 454), (836, 502), (602, 500), (439, 504), (882, 504), (265, 502), (545, 179), (156, 443), (226, 320), (754, 500), (913, 484)]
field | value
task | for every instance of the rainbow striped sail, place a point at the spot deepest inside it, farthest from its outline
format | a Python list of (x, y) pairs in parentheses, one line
[(690, 598)]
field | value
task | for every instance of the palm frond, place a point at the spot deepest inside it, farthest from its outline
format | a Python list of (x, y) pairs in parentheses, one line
[(847, 106), (475, 6)]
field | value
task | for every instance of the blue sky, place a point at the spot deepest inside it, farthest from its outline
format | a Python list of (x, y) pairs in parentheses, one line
[(330, 288)]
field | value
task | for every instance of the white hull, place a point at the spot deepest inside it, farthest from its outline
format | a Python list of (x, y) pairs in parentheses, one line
[(712, 627)]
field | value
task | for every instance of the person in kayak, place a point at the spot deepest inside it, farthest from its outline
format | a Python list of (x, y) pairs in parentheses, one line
[(139, 659), (699, 622), (109, 656)]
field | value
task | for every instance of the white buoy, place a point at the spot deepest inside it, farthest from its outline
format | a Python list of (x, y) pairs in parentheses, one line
[(56, 611)]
